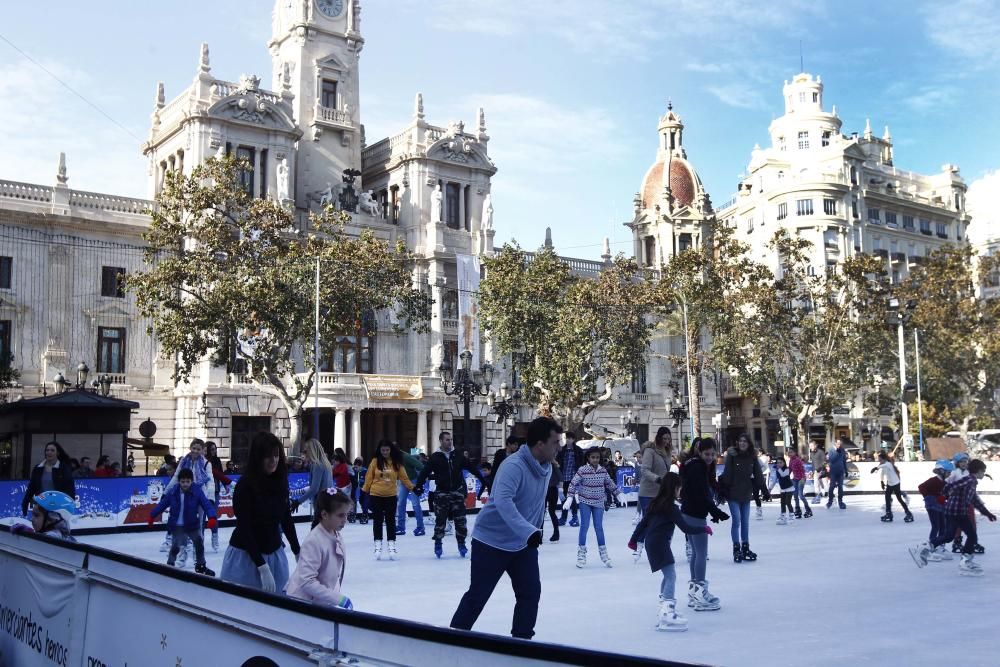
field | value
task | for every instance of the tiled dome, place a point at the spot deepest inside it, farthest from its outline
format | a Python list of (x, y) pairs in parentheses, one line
[(682, 183)]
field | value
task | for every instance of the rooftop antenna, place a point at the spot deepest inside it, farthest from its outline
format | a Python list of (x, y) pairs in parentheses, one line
[(802, 67)]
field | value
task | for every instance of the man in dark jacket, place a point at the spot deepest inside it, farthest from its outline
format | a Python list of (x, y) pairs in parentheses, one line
[(511, 446), (449, 490), (570, 459), (837, 460)]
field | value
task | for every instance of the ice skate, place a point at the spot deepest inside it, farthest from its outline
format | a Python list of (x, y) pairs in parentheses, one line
[(908, 518), (841, 505), (449, 528), (603, 551), (581, 556), (979, 549), (782, 520), (418, 532), (887, 517), (182, 557), (968, 567), (759, 514), (575, 522), (668, 619), (942, 553), (808, 513), (215, 543), (165, 547), (203, 569), (920, 554), (791, 518), (737, 553), (700, 599), (956, 546), (393, 554), (798, 514), (934, 556), (437, 548), (378, 549), (637, 553), (555, 534), (747, 554), (462, 549)]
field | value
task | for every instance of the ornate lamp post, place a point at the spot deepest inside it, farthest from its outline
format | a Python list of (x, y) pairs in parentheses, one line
[(82, 371), (628, 421), (506, 407), (61, 383), (678, 413), (465, 384)]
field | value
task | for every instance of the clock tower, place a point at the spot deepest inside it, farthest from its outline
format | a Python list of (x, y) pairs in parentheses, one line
[(315, 46)]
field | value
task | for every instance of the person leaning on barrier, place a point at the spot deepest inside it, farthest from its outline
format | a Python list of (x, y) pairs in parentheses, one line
[(52, 474)]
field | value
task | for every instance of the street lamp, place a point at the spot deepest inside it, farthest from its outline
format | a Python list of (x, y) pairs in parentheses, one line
[(465, 384), (105, 384), (81, 375), (506, 407), (678, 412), (899, 317), (61, 383), (627, 421)]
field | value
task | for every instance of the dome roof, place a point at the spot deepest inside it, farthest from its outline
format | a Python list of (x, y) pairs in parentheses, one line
[(682, 181)]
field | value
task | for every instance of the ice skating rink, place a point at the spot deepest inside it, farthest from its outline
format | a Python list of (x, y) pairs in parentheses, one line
[(837, 589)]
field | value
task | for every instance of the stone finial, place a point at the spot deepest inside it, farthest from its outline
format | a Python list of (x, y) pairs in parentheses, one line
[(548, 237), (61, 176), (203, 64), (868, 128), (482, 121), (887, 136), (834, 112), (160, 96), (418, 106), (606, 251)]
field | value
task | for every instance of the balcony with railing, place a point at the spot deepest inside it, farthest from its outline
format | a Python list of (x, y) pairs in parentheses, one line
[(337, 118), (898, 257)]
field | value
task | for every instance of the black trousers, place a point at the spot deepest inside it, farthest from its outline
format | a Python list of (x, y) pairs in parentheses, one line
[(552, 503), (889, 491), (488, 565), (383, 509)]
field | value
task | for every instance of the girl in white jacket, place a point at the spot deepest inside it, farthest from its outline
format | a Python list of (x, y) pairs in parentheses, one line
[(322, 558), (891, 485)]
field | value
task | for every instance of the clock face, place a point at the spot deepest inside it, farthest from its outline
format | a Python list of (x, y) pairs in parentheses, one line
[(330, 8)]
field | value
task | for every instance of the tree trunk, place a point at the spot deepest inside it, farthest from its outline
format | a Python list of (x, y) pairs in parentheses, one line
[(293, 407)]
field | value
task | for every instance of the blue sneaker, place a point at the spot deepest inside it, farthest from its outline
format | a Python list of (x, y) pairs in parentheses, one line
[(462, 550), (437, 548), (574, 522)]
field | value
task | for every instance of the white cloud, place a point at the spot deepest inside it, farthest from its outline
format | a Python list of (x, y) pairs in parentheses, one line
[(969, 29), (983, 204), (739, 95), (41, 118)]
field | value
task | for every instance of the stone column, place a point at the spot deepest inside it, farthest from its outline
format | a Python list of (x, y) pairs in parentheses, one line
[(435, 429), (339, 429), (355, 450), (461, 207), (422, 430)]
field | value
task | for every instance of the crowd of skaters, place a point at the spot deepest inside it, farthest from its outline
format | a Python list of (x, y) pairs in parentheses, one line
[(549, 473)]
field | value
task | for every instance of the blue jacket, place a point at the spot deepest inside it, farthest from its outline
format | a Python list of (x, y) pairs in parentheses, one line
[(838, 462), (193, 499), (515, 509)]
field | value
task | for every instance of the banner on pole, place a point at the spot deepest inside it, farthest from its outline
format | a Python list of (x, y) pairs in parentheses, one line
[(468, 305)]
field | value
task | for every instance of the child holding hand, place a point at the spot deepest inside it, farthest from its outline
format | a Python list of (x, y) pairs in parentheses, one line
[(322, 558), (184, 500)]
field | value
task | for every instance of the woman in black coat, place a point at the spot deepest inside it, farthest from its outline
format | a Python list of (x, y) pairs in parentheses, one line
[(54, 473)]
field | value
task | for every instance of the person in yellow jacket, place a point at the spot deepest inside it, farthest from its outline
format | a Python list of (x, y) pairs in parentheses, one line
[(380, 484)]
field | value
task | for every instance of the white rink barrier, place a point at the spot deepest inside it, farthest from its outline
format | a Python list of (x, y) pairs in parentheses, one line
[(73, 604), (911, 475)]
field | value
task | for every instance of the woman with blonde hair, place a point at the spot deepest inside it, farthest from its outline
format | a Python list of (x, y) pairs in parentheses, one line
[(320, 471)]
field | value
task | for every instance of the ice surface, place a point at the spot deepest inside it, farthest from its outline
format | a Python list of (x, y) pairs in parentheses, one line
[(839, 588)]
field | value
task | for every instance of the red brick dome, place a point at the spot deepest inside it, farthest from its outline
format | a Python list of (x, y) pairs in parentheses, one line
[(682, 183)]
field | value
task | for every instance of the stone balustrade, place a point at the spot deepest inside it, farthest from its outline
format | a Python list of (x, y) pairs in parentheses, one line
[(25, 191), (334, 116), (102, 202), (78, 201)]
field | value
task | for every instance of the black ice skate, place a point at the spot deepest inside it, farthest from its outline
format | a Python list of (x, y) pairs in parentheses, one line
[(956, 546), (737, 553), (908, 518), (887, 517), (747, 554)]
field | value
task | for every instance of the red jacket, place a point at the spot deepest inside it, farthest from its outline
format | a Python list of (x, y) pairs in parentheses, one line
[(341, 475), (933, 487), (797, 467)]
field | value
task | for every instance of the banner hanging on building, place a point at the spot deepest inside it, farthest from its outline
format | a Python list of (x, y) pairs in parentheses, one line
[(393, 387), (468, 305)]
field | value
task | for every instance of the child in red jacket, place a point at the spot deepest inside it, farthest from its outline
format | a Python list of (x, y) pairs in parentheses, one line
[(932, 489)]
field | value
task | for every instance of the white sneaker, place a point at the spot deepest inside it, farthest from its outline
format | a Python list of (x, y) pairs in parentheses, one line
[(943, 553), (968, 567), (581, 556), (759, 515), (668, 619), (782, 520), (392, 550), (378, 549), (603, 551)]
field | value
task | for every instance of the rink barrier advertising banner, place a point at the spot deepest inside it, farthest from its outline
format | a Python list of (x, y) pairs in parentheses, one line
[(75, 604), (114, 502)]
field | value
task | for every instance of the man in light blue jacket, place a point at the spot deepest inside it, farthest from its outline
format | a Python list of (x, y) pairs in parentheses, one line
[(508, 532)]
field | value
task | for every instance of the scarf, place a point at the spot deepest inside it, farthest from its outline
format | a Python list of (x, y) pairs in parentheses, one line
[(201, 476)]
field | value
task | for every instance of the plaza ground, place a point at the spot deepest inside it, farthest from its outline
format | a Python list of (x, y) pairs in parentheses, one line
[(839, 588)]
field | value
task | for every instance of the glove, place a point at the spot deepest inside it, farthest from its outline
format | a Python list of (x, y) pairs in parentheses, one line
[(212, 523), (418, 490), (535, 540), (718, 515), (21, 528), (484, 496), (150, 521), (621, 498), (345, 602), (883, 486), (569, 503), (991, 517), (633, 545), (708, 529), (266, 578)]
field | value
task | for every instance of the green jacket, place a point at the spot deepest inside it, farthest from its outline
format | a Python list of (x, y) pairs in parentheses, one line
[(413, 465)]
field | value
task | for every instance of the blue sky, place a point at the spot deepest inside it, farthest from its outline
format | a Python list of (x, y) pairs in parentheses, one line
[(572, 89)]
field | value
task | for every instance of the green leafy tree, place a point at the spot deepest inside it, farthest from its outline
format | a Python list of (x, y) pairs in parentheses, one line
[(9, 377), (578, 339), (807, 340), (222, 264), (959, 345)]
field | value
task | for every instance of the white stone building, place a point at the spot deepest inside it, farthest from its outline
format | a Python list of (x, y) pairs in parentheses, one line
[(62, 251), (845, 194)]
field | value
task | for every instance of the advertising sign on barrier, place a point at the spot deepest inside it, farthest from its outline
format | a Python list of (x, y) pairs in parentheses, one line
[(36, 613)]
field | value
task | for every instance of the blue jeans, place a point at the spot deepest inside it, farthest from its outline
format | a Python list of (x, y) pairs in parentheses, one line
[(699, 549), (799, 486), (644, 503), (586, 511), (488, 565), (667, 585), (836, 482), (401, 495), (739, 514)]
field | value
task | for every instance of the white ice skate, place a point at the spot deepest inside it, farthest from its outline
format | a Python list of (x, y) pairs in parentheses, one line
[(215, 543), (393, 554), (700, 599), (637, 554), (581, 556), (920, 554), (943, 553), (759, 514), (182, 557), (968, 567), (378, 549), (782, 520), (165, 547), (603, 551), (448, 528), (791, 518), (668, 619), (636, 519)]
